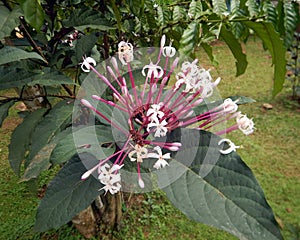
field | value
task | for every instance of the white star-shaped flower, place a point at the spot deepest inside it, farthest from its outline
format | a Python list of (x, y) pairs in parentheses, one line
[(110, 177), (154, 112), (161, 162), (154, 69), (160, 130), (139, 152)]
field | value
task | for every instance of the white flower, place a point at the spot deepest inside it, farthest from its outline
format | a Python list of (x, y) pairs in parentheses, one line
[(125, 52), (86, 64), (161, 162), (169, 51), (245, 124), (154, 112), (232, 147), (110, 178), (140, 153), (186, 79), (154, 69), (230, 106), (160, 130)]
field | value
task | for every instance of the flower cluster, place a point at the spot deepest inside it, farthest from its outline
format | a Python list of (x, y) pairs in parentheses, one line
[(155, 109)]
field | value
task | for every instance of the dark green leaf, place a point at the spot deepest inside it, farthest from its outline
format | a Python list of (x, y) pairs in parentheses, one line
[(4, 110), (67, 194), (8, 20), (83, 18), (236, 49), (33, 12), (208, 49), (12, 54), (50, 77), (87, 139), (215, 189), (189, 38), (14, 77), (54, 122), (274, 44), (84, 45), (39, 163), (21, 137)]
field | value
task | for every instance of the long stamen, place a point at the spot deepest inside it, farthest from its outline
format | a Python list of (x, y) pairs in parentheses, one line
[(87, 104)]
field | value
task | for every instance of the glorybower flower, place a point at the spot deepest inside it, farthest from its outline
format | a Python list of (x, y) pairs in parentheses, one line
[(155, 109)]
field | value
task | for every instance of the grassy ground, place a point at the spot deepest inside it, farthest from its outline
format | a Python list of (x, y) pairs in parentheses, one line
[(272, 152)]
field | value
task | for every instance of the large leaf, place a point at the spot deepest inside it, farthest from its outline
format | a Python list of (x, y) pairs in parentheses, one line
[(236, 49), (4, 110), (218, 190), (87, 139), (50, 77), (83, 18), (33, 12), (67, 194), (8, 20), (39, 163), (54, 122), (189, 38), (21, 137), (271, 39), (14, 77), (12, 54), (84, 45)]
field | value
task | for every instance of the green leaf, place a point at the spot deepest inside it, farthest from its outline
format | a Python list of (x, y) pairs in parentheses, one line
[(189, 38), (87, 139), (252, 8), (162, 15), (8, 20), (20, 139), (67, 194), (219, 7), (14, 77), (275, 45), (85, 17), (208, 49), (33, 12), (195, 9), (84, 45), (4, 110), (290, 23), (50, 77), (53, 123), (12, 54), (39, 163), (236, 49), (217, 190), (242, 99)]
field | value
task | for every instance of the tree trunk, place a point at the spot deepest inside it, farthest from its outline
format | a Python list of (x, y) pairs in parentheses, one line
[(100, 218)]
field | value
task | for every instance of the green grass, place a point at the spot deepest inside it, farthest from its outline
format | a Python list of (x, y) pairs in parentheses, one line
[(272, 152)]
